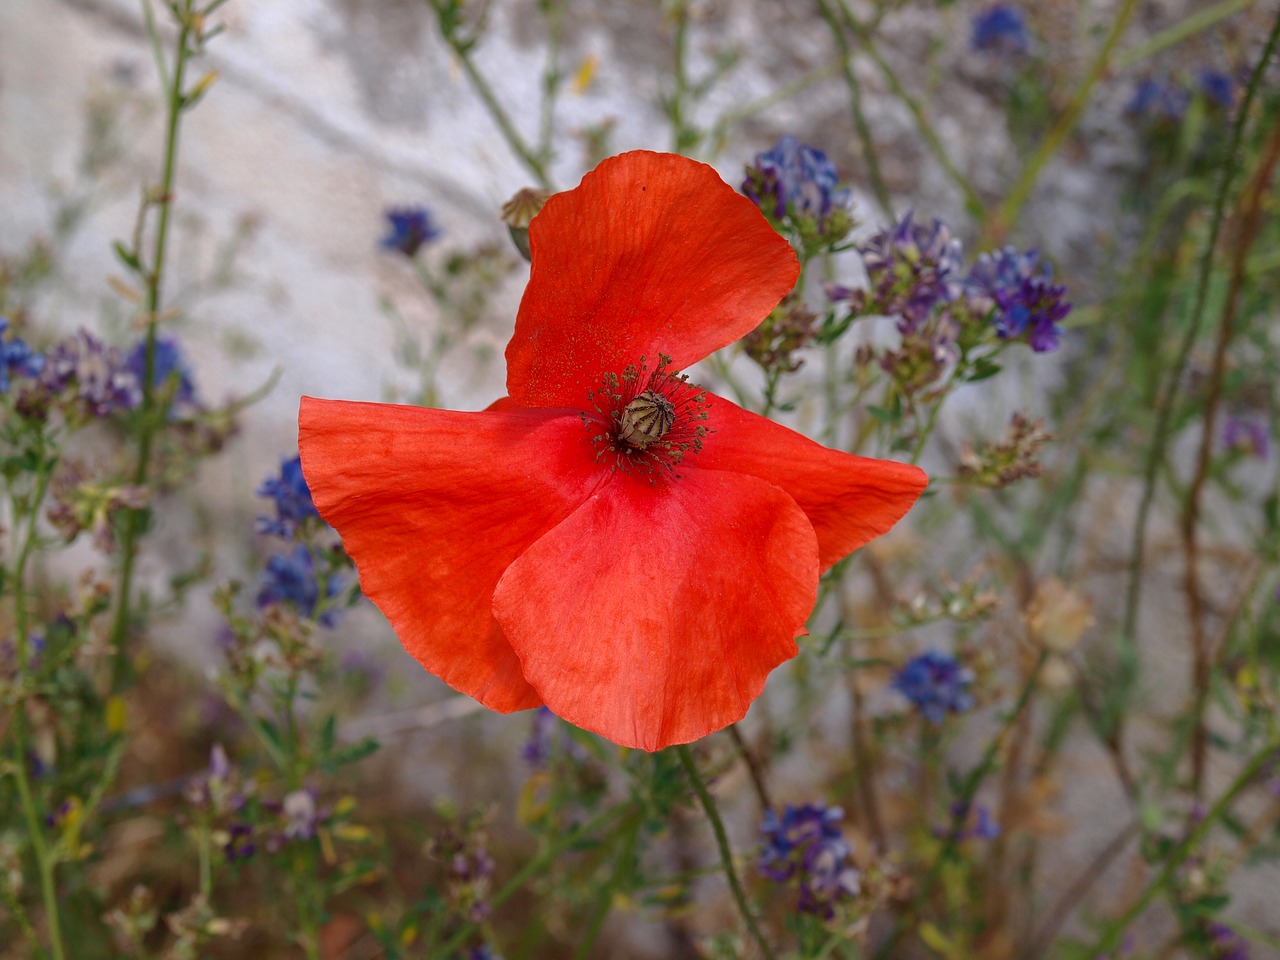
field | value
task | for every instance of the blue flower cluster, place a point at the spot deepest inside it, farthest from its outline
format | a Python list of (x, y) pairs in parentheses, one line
[(1227, 944), (806, 848), (911, 269), (17, 358), (936, 684), (168, 362), (410, 229), (92, 376), (292, 499), (915, 272), (796, 183), (1017, 291), (291, 578), (1166, 100), (1001, 28)]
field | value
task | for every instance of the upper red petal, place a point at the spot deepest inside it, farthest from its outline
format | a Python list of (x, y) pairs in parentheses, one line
[(433, 506), (654, 613), (849, 500), (651, 254)]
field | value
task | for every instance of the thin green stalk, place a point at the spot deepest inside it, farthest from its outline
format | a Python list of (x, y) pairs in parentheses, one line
[(783, 93), (622, 868), (1114, 932), (535, 865), (998, 225), (1164, 412), (132, 522), (973, 203), (962, 806), (726, 852), (35, 829), (878, 187), (1184, 29), (680, 137), (551, 76), (462, 50)]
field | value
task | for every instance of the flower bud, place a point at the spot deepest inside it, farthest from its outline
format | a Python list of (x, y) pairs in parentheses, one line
[(518, 213)]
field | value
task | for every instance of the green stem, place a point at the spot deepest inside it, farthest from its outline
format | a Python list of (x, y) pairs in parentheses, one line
[(726, 852), (133, 519), (1164, 413), (1114, 931), (1013, 202), (962, 805), (680, 137), (535, 865), (604, 898), (551, 77), (1182, 30), (462, 50), (44, 859), (874, 174), (973, 203)]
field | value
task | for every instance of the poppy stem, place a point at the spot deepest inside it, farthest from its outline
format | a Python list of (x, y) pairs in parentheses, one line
[(726, 852)]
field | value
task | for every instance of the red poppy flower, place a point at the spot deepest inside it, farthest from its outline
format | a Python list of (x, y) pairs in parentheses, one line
[(634, 552)]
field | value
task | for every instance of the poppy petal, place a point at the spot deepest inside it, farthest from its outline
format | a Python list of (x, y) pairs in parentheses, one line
[(654, 613), (849, 500), (433, 506), (651, 254)]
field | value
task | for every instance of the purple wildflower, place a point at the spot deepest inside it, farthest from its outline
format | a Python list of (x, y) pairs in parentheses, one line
[(292, 498), (936, 684), (102, 383), (796, 181), (537, 749), (411, 229), (1001, 28), (1158, 100), (1018, 291), (1227, 944), (911, 269), (17, 358), (167, 363), (239, 845), (806, 846), (301, 815), (291, 578), (1217, 88), (1248, 435)]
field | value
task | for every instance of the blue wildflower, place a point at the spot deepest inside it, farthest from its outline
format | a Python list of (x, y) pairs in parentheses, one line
[(1018, 293), (1218, 88), (1248, 435), (17, 358), (292, 498), (805, 846), (291, 578), (936, 684), (411, 228), (102, 383), (167, 362), (797, 182), (1227, 944), (1001, 28), (482, 953), (1158, 100), (911, 269), (537, 749)]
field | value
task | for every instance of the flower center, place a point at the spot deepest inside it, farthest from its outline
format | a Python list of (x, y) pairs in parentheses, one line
[(647, 421)]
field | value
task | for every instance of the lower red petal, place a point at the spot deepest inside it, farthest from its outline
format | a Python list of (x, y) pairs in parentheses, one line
[(655, 612), (433, 506), (849, 500)]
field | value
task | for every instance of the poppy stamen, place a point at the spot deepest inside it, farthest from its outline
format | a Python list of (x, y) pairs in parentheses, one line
[(647, 420)]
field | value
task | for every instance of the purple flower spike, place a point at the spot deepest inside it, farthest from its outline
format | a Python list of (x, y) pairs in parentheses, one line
[(292, 498), (936, 685), (806, 848), (797, 182), (1019, 293), (1001, 28), (17, 358), (911, 269), (411, 228)]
